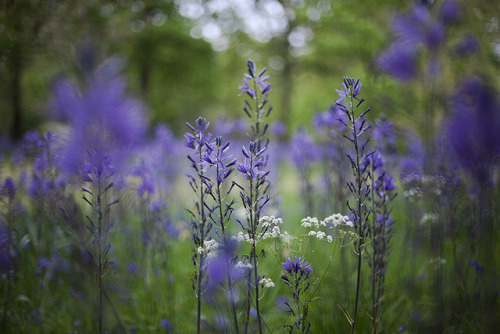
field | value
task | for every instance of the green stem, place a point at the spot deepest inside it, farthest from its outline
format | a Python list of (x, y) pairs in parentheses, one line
[(360, 214)]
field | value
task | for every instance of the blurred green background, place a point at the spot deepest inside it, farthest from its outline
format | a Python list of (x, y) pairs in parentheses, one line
[(186, 58)]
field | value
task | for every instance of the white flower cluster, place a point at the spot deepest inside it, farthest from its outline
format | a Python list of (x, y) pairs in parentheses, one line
[(338, 219), (343, 233), (208, 245), (334, 221), (267, 282), (438, 261), (429, 218), (243, 237), (412, 184), (243, 265), (273, 226), (270, 224), (310, 221), (266, 221)]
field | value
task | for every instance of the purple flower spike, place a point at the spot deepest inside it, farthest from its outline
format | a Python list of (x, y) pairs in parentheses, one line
[(399, 61), (8, 188), (449, 12), (297, 265)]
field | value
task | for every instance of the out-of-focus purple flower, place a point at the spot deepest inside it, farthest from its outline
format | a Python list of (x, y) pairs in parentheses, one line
[(5, 258), (43, 263), (166, 324), (132, 268), (399, 62), (434, 68), (413, 162), (221, 265), (435, 35), (278, 129), (146, 187), (158, 205), (474, 129), (416, 28), (410, 27), (384, 135), (304, 150), (477, 267), (253, 313), (8, 188), (467, 46), (281, 303), (449, 12), (101, 116)]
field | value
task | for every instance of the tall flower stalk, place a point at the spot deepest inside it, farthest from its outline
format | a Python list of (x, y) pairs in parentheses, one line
[(7, 202), (216, 156), (349, 103), (255, 195), (382, 194), (200, 224), (98, 173), (296, 276)]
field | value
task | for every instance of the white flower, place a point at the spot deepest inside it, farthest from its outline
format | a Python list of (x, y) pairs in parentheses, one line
[(241, 265), (429, 218), (266, 220), (210, 245), (311, 233), (320, 235), (200, 250), (240, 236), (278, 221), (329, 238), (267, 282), (306, 222)]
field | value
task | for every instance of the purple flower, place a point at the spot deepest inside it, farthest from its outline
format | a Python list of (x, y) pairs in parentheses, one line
[(98, 165), (101, 116), (399, 61), (166, 324), (435, 35), (146, 187), (449, 12), (477, 267), (304, 150), (467, 46), (410, 28), (297, 265), (5, 257), (385, 135), (132, 268), (278, 129), (220, 266), (8, 188), (474, 129)]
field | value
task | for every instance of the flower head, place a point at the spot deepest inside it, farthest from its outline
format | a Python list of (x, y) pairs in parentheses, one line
[(297, 265)]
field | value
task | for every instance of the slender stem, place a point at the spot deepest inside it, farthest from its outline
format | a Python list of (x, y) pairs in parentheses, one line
[(359, 213), (222, 223), (249, 295), (100, 257), (374, 240), (201, 229), (198, 295)]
